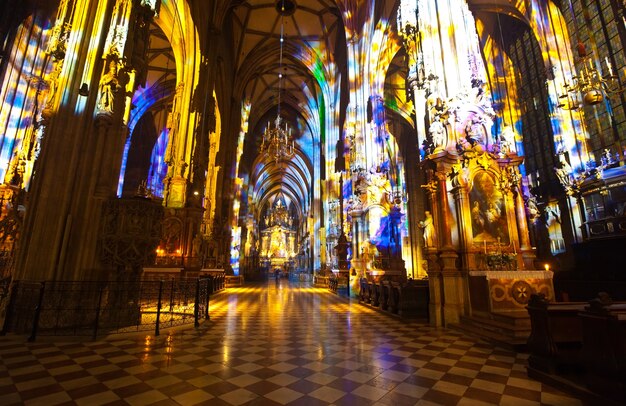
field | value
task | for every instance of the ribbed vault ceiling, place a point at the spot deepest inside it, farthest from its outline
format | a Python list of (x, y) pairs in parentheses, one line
[(313, 30)]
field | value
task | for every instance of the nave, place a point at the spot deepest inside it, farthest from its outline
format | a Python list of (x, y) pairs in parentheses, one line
[(274, 344)]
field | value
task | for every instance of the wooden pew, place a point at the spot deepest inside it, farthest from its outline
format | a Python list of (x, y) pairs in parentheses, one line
[(385, 288), (365, 294), (375, 289), (604, 347), (555, 340), (394, 297)]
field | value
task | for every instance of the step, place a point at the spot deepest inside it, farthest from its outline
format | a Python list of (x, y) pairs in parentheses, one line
[(509, 329), (499, 327), (500, 339), (515, 321)]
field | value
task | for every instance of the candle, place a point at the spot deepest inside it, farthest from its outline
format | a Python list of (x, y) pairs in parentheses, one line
[(608, 65), (485, 245)]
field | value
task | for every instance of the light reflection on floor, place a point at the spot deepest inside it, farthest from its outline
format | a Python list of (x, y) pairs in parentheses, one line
[(266, 345)]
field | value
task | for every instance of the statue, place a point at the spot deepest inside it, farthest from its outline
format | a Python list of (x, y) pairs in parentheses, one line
[(429, 230), (563, 172), (109, 84), (474, 131), (197, 245), (507, 140), (438, 134), (606, 159), (532, 209)]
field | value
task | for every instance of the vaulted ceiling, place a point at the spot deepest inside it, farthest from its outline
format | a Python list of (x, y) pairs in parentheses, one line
[(308, 27), (313, 30)]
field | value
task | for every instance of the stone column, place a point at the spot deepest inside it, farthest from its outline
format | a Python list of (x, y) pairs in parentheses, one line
[(463, 212), (528, 256), (445, 224), (452, 304), (467, 250), (359, 260), (435, 305)]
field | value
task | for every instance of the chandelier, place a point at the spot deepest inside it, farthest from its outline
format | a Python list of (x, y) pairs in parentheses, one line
[(590, 86), (277, 144)]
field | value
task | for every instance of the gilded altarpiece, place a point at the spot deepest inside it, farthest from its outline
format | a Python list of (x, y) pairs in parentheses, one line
[(481, 259)]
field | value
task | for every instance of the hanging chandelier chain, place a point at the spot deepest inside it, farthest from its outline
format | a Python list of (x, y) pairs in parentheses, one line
[(277, 144), (280, 60)]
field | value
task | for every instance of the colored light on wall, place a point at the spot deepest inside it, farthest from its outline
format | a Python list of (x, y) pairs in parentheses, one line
[(235, 229), (158, 167), (23, 91)]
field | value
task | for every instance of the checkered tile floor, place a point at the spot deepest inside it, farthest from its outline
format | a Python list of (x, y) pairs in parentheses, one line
[(274, 345)]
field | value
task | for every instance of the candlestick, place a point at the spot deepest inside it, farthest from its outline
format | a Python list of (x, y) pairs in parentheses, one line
[(608, 65)]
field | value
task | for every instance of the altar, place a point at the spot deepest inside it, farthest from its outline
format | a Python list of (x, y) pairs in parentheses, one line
[(507, 291)]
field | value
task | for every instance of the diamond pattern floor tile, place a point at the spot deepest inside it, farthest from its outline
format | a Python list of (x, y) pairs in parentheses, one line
[(290, 344)]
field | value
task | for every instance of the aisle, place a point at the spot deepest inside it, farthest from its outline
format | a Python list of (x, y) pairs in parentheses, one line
[(269, 344)]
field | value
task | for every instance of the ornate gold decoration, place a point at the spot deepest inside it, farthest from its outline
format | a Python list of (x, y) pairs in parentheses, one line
[(590, 86), (431, 186), (277, 145), (484, 161)]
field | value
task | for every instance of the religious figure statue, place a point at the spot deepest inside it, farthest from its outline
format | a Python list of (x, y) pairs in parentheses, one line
[(474, 131), (182, 167), (507, 140), (429, 230), (438, 134), (532, 209), (606, 159), (109, 85), (53, 83), (563, 172), (197, 245)]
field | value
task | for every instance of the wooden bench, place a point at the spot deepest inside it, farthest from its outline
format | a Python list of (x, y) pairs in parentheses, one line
[(585, 342), (364, 294), (385, 288), (395, 291), (604, 348), (375, 289), (231, 280), (217, 276), (409, 300), (555, 339)]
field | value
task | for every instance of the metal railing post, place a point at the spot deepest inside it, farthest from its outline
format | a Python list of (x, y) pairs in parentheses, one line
[(158, 315), (196, 307), (98, 307), (171, 297), (208, 296), (8, 318), (33, 333)]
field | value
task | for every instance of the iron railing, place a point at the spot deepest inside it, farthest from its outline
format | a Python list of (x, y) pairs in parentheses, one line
[(101, 308)]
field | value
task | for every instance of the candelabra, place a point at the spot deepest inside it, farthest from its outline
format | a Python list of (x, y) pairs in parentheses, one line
[(399, 196), (277, 144), (590, 86)]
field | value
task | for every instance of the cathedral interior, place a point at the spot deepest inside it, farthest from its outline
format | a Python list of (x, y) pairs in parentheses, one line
[(472, 152)]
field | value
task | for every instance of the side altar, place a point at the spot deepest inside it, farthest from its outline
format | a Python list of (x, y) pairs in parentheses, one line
[(480, 261)]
